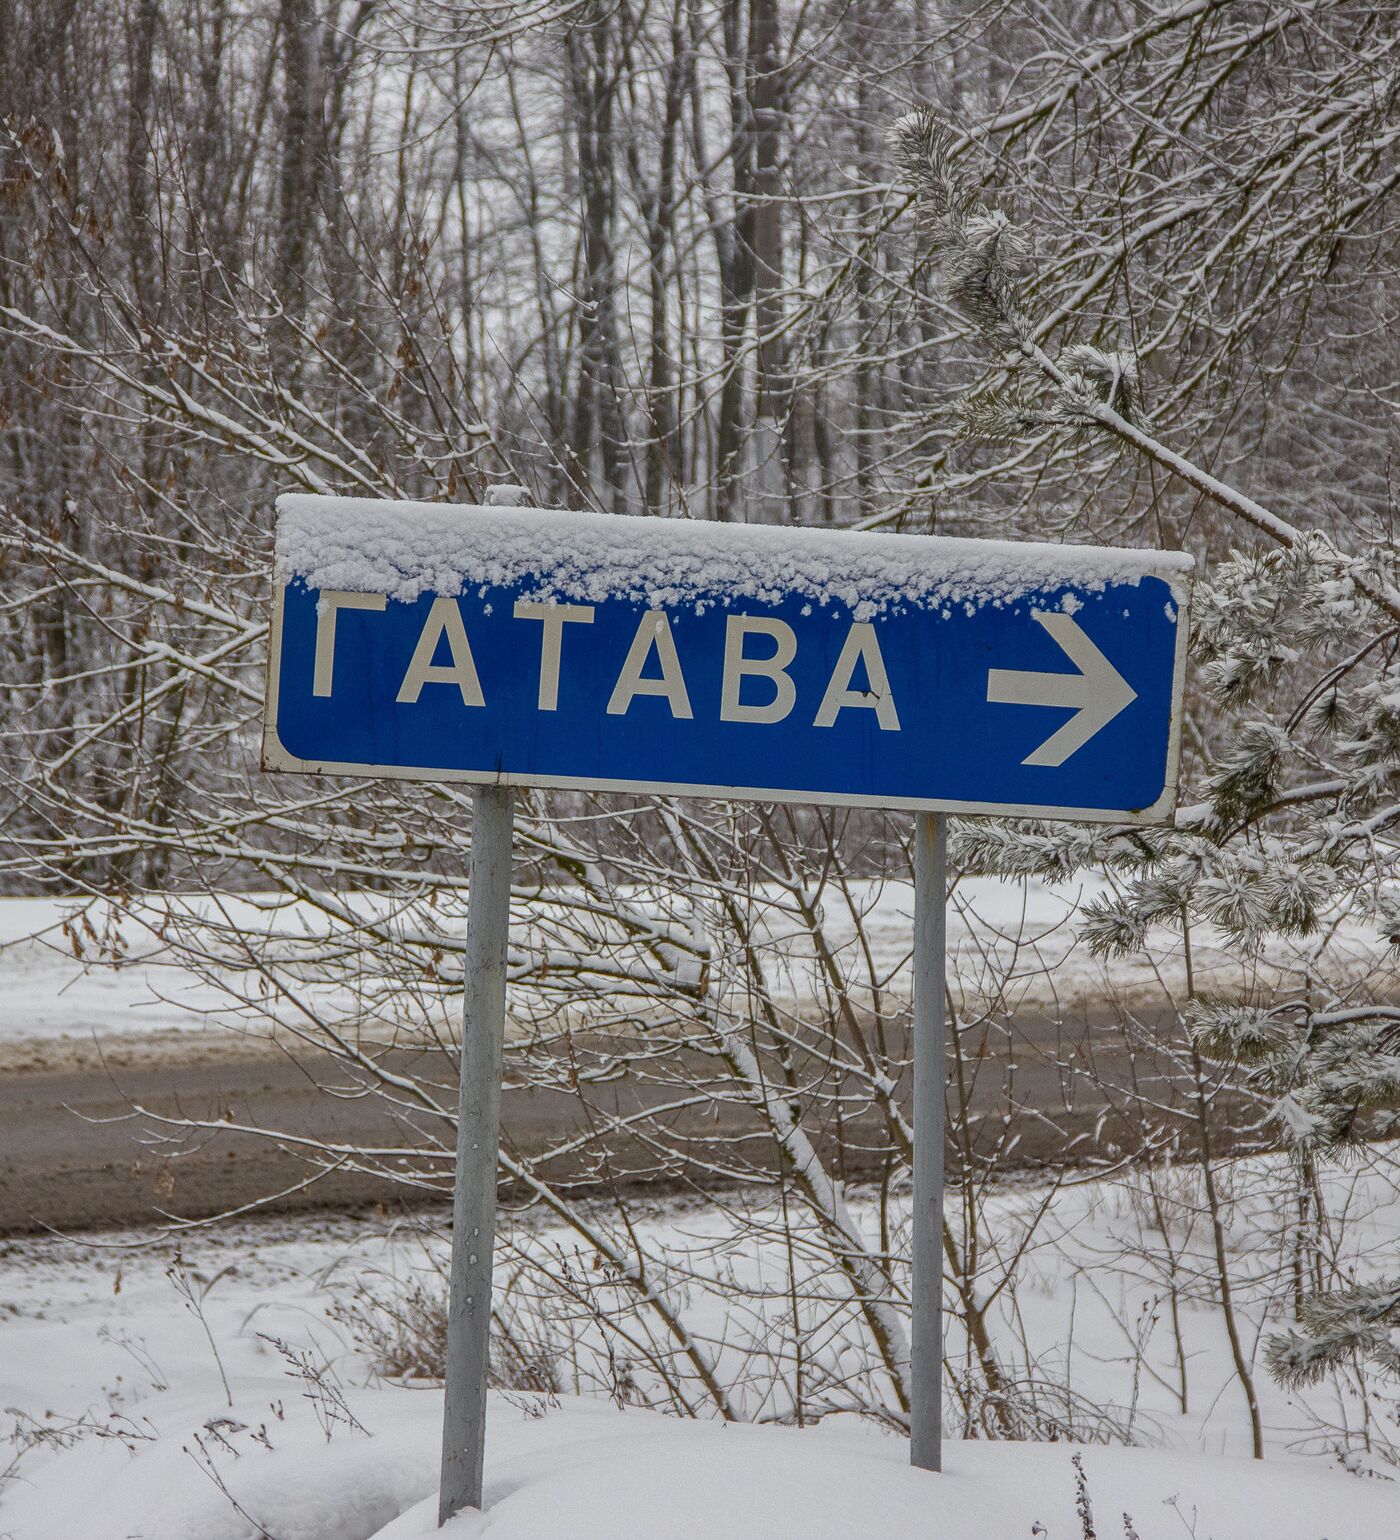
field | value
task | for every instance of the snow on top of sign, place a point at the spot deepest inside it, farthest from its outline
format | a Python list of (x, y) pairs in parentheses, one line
[(403, 549)]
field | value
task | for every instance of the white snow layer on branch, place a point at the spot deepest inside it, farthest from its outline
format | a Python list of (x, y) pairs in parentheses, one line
[(403, 549)]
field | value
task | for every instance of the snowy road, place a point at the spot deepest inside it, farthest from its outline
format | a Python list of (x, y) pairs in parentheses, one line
[(73, 1155), (81, 1039)]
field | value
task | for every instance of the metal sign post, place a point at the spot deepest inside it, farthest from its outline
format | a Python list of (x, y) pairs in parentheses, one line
[(926, 1250), (505, 646), (478, 1135)]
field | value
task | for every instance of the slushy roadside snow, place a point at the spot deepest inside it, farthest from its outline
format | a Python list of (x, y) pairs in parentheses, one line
[(83, 971)]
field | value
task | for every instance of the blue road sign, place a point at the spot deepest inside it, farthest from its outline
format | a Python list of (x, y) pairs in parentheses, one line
[(539, 648)]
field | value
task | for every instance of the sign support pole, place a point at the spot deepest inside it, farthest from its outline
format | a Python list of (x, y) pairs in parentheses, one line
[(930, 949), (478, 1140)]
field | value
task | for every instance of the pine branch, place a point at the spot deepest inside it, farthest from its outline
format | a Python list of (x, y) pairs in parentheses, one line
[(1359, 1321)]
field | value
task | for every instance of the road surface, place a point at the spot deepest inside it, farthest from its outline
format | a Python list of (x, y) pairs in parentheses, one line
[(74, 1155)]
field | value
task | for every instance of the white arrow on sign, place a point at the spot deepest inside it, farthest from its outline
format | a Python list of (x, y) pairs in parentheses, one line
[(1098, 690)]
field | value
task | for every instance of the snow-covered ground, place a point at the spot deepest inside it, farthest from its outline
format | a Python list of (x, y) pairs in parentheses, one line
[(71, 972), (58, 980), (219, 1396)]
